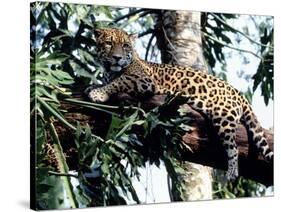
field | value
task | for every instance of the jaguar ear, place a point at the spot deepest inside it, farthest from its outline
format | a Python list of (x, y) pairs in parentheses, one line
[(133, 37), (97, 32)]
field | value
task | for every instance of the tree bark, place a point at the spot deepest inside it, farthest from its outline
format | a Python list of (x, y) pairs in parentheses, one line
[(178, 36)]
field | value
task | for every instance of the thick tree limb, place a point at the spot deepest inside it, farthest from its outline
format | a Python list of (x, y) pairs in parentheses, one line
[(207, 151)]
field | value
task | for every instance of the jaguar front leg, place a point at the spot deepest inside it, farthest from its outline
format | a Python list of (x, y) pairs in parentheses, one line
[(99, 95), (102, 94), (124, 84)]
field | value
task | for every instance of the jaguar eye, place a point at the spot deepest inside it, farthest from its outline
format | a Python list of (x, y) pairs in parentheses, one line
[(109, 43), (126, 45)]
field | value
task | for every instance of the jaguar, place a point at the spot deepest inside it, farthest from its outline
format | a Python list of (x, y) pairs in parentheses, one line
[(221, 103)]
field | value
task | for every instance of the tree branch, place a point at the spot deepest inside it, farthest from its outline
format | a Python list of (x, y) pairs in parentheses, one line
[(149, 31), (129, 15), (62, 174), (231, 47), (148, 46)]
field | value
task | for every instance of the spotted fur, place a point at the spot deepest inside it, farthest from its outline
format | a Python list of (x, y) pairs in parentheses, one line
[(220, 102)]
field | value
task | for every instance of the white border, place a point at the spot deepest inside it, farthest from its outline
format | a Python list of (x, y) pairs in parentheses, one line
[(14, 112)]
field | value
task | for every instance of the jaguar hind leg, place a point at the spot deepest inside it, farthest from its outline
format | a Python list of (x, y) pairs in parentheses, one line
[(225, 123), (227, 135)]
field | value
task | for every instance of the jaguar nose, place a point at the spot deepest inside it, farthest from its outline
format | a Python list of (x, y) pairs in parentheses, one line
[(117, 57)]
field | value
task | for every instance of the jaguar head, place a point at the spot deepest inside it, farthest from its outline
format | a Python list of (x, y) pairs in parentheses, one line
[(114, 48)]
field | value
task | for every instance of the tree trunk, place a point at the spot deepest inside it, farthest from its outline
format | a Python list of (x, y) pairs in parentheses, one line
[(179, 40)]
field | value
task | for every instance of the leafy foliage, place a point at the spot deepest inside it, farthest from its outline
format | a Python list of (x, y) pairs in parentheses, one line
[(264, 75), (242, 188), (102, 167), (215, 29)]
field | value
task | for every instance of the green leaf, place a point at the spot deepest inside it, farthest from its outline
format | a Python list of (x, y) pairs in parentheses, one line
[(63, 77), (106, 11), (105, 169), (63, 167), (225, 39), (78, 133), (139, 122), (51, 194), (134, 194), (82, 198), (120, 145), (44, 188), (41, 136)]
